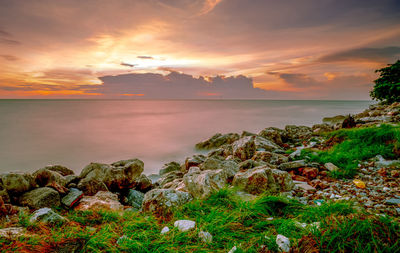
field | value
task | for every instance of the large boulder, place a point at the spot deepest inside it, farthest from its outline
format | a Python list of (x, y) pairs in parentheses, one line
[(260, 179), (3, 192), (101, 201), (217, 141), (17, 183), (169, 177), (274, 134), (64, 171), (270, 157), (45, 176), (168, 167), (201, 184), (298, 133), (135, 199), (72, 198), (244, 148), (162, 201), (229, 167), (46, 215), (263, 144), (40, 197), (193, 161), (90, 186)]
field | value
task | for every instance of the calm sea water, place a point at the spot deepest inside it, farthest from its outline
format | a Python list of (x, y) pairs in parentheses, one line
[(35, 133)]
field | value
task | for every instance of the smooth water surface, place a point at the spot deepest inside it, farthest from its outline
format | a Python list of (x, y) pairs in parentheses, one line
[(35, 133)]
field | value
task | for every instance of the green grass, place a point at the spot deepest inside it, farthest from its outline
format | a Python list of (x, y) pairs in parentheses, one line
[(359, 144), (231, 221)]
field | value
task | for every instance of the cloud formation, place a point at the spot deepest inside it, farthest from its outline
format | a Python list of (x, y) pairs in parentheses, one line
[(385, 54)]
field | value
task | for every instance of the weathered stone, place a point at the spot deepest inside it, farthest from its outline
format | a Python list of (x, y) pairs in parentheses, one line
[(64, 171), (45, 176), (17, 183), (164, 230), (101, 201), (143, 183), (262, 179), (193, 161), (135, 199), (123, 177), (13, 233), (331, 167), (168, 167), (298, 133), (244, 148), (90, 186), (393, 201), (3, 192), (303, 186), (206, 237), (40, 197), (292, 165), (283, 243), (185, 225), (72, 179), (177, 184), (218, 140), (162, 201), (72, 198), (263, 144), (249, 164), (310, 173), (228, 166), (334, 120), (269, 157), (203, 184), (169, 177), (46, 215), (274, 134), (322, 128)]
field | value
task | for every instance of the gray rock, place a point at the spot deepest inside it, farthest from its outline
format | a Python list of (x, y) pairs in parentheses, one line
[(90, 186), (164, 230), (62, 170), (228, 166), (13, 233), (218, 140), (193, 161), (162, 201), (17, 183), (269, 157), (331, 167), (45, 176), (292, 165), (3, 192), (135, 199), (72, 197), (143, 183), (392, 201), (202, 184), (46, 215), (40, 197), (263, 144), (383, 163), (274, 134), (185, 225), (283, 243), (101, 201), (298, 133), (168, 167), (206, 237), (169, 177), (244, 148)]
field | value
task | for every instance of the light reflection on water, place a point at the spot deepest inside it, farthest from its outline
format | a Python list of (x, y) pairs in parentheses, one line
[(35, 133)]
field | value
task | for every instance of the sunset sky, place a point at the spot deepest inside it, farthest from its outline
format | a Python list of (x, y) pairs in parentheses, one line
[(264, 49)]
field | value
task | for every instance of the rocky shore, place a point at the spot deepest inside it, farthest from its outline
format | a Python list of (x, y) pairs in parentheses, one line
[(270, 161)]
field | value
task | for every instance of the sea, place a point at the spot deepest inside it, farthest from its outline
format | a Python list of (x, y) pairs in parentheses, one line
[(73, 133)]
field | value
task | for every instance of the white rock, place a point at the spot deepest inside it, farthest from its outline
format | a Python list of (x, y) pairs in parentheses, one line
[(205, 237), (12, 232), (165, 230), (185, 225), (283, 243), (270, 218), (233, 249)]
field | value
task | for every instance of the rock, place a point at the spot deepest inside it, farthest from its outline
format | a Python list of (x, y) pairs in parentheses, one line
[(46, 215), (162, 201), (382, 163), (164, 230), (184, 225), (274, 134), (218, 140), (143, 183), (310, 173), (393, 201), (283, 243), (298, 133), (395, 173), (71, 179), (3, 192), (228, 166), (263, 144), (177, 184), (153, 178), (17, 183), (303, 186), (40, 197), (331, 167), (292, 165), (45, 176), (269, 157), (244, 148), (103, 200), (322, 128), (260, 179), (233, 250), (376, 119), (193, 161), (334, 120), (250, 164), (124, 176), (168, 167), (169, 177), (90, 186), (202, 184), (64, 171), (348, 122), (72, 197), (206, 237), (135, 199), (13, 233)]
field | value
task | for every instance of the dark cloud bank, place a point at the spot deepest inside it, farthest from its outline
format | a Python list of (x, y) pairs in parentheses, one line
[(180, 86)]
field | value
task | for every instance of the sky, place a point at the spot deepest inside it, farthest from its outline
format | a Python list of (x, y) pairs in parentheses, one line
[(233, 49)]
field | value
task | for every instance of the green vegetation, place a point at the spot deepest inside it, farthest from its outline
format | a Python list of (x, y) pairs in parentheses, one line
[(232, 221), (351, 146), (387, 86)]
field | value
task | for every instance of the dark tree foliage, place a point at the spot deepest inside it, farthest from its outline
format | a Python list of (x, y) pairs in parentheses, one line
[(387, 86)]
